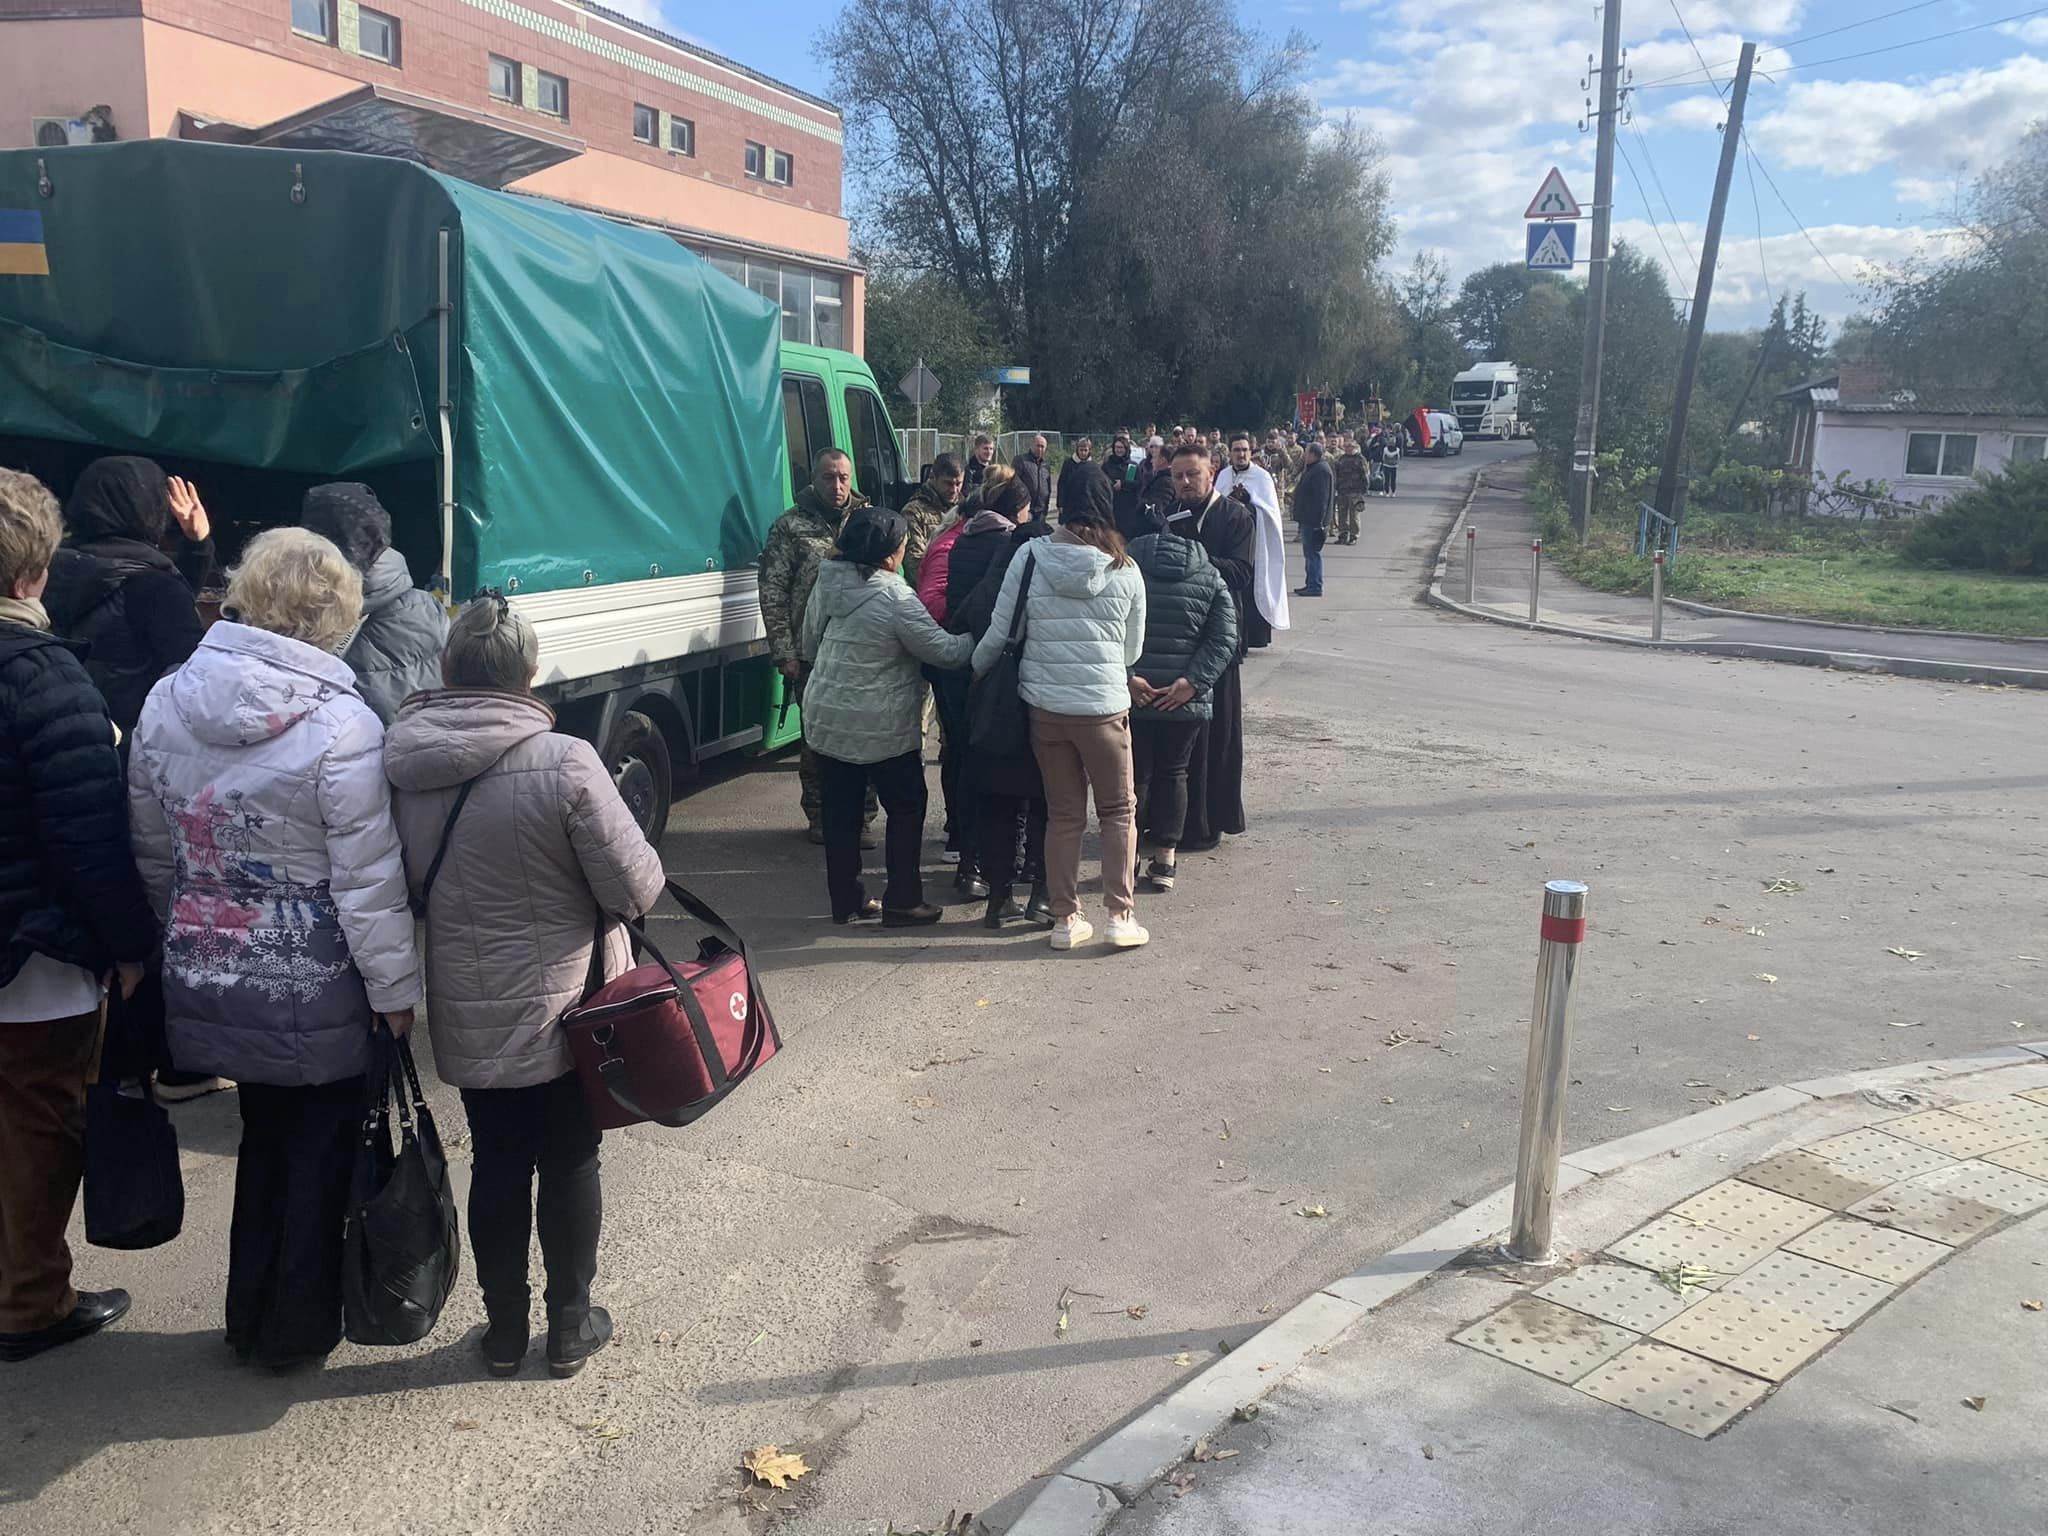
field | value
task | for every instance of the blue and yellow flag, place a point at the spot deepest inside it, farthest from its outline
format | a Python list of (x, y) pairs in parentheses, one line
[(22, 252)]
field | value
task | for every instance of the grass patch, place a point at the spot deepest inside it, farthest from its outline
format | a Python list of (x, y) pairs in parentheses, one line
[(1813, 569)]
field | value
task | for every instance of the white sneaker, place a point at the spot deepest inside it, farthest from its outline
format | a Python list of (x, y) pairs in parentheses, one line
[(1072, 931), (949, 855), (1125, 933)]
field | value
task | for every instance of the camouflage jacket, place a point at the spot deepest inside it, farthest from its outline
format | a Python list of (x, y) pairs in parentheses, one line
[(1353, 478), (797, 541), (925, 514)]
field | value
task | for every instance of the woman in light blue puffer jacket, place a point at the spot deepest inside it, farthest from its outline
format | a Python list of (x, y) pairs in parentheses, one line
[(1084, 629)]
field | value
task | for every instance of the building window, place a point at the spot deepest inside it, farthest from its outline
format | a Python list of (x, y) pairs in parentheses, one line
[(765, 278), (757, 160), (551, 93), (504, 78), (682, 136), (377, 36), (646, 123), (2029, 449), (733, 267), (781, 168), (1951, 455), (314, 19), (829, 311), (796, 304)]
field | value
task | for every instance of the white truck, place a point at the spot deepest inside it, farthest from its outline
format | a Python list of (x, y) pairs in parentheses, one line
[(1485, 398)]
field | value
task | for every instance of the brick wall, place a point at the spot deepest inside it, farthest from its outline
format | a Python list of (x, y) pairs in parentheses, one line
[(444, 50)]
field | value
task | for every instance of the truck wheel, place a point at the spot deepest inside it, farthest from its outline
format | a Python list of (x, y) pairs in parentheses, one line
[(638, 760)]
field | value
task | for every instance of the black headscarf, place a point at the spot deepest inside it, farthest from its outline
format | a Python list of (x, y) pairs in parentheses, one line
[(871, 535), (350, 514), (123, 497)]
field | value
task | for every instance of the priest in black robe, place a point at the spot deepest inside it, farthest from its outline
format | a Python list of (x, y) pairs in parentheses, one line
[(1227, 529)]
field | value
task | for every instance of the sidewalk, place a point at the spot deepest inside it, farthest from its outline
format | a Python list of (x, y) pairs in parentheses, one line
[(1858, 1356), (1505, 525)]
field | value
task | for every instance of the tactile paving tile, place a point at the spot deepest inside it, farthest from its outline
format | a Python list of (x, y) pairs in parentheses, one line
[(2001, 1188), (1928, 1213), (1619, 1294), (1822, 1293), (2030, 1157), (2010, 1113), (1673, 1387), (1670, 1241), (1743, 1210), (2037, 1095), (1749, 1335), (1951, 1133), (1869, 1154), (1545, 1338), (1877, 1252), (1809, 1177)]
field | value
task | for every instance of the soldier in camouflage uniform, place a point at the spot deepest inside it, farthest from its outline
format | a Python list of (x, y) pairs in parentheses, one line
[(1354, 484), (928, 508), (797, 541)]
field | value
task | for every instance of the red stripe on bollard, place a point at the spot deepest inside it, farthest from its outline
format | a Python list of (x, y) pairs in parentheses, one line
[(1564, 930)]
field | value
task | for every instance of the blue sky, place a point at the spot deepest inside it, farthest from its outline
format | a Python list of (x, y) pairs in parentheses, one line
[(1476, 99)]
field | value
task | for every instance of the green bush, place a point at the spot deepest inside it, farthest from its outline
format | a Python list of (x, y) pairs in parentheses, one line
[(1998, 524)]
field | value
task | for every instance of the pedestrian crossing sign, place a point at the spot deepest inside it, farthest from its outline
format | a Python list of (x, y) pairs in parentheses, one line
[(1553, 200), (1551, 247)]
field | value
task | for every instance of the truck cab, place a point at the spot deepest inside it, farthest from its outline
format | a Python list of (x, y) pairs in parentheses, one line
[(1486, 400)]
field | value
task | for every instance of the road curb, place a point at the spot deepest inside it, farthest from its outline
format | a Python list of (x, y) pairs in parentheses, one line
[(1712, 612), (1840, 661), (1085, 1497)]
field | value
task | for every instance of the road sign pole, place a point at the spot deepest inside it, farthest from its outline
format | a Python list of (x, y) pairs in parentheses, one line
[(1587, 438)]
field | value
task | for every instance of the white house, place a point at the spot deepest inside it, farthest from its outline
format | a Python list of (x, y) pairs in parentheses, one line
[(1924, 443)]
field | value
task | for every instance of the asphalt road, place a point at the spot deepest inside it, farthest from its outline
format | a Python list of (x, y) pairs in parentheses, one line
[(865, 1257)]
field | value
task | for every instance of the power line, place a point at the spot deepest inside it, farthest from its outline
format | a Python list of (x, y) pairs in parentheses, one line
[(1697, 54), (1794, 42), (1675, 83), (1677, 227), (1758, 161), (1756, 206), (1650, 208)]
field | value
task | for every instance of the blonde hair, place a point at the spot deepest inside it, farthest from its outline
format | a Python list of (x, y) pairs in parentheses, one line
[(297, 584), (31, 526), (490, 645)]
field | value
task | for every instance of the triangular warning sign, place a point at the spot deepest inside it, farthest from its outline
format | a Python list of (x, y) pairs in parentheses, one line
[(1550, 254), (1553, 200)]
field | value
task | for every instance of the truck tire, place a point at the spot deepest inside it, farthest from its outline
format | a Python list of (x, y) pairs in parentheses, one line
[(638, 760)]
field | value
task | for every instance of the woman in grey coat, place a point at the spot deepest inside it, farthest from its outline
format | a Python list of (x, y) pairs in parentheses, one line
[(540, 848), (397, 649), (865, 633)]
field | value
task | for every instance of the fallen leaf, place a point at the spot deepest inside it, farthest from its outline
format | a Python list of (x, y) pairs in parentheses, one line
[(1226, 1455), (981, 1002), (774, 1466), (1394, 965), (1325, 1069), (1429, 1453), (1183, 1358), (2018, 1024), (1905, 1023), (1137, 1313), (1754, 933), (1765, 977), (1245, 1412), (1312, 1211), (1974, 1404), (1755, 1037), (472, 1424), (1619, 1109), (1684, 1277), (1785, 887), (1902, 953), (1200, 1452), (2031, 1306), (1385, 1100), (607, 1429)]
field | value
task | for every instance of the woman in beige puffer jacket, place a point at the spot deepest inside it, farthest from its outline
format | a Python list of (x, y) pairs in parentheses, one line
[(540, 848)]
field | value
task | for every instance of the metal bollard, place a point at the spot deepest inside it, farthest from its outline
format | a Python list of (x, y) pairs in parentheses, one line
[(1550, 1048), (1657, 596), (1535, 575), (1471, 566)]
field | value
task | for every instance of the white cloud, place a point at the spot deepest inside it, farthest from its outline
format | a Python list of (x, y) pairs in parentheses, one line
[(2034, 30), (1847, 127)]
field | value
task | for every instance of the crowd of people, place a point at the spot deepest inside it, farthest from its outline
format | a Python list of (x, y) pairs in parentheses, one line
[(225, 851), (1126, 621)]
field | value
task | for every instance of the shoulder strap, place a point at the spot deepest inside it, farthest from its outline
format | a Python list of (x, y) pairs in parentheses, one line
[(1030, 559), (419, 905)]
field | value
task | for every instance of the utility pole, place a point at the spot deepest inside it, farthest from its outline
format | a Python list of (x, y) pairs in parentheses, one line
[(1710, 250), (1586, 441)]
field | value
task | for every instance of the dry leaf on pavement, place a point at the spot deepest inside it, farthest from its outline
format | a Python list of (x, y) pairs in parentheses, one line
[(1784, 887), (1905, 1023), (1902, 952), (1765, 977), (774, 1466), (1312, 1211), (1183, 1358), (2031, 1306), (1974, 1404)]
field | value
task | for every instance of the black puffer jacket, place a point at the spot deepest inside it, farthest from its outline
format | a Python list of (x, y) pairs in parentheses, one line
[(1190, 622), (981, 559), (68, 886), (113, 589)]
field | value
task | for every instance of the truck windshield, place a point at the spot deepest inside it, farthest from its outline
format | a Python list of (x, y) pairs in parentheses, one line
[(1477, 389)]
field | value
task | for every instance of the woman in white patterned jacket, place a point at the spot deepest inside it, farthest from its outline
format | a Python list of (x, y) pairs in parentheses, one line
[(262, 824)]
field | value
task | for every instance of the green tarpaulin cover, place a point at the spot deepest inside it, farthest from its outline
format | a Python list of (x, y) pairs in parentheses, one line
[(617, 400)]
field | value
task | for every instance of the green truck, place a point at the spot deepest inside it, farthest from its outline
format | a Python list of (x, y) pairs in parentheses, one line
[(575, 411)]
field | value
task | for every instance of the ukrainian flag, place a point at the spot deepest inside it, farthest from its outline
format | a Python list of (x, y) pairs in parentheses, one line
[(22, 252)]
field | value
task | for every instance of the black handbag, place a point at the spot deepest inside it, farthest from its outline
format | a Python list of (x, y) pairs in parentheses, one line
[(998, 723), (400, 1247), (134, 1193)]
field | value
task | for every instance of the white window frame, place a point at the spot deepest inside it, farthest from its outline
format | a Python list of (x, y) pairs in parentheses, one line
[(392, 31), (755, 160), (688, 126), (326, 34), (540, 78), (491, 78), (781, 168), (652, 117), (1941, 470), (2040, 447)]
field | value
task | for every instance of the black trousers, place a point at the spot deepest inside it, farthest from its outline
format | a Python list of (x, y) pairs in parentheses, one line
[(899, 782), (1010, 841), (516, 1134), (1160, 753), (291, 1202), (949, 695)]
